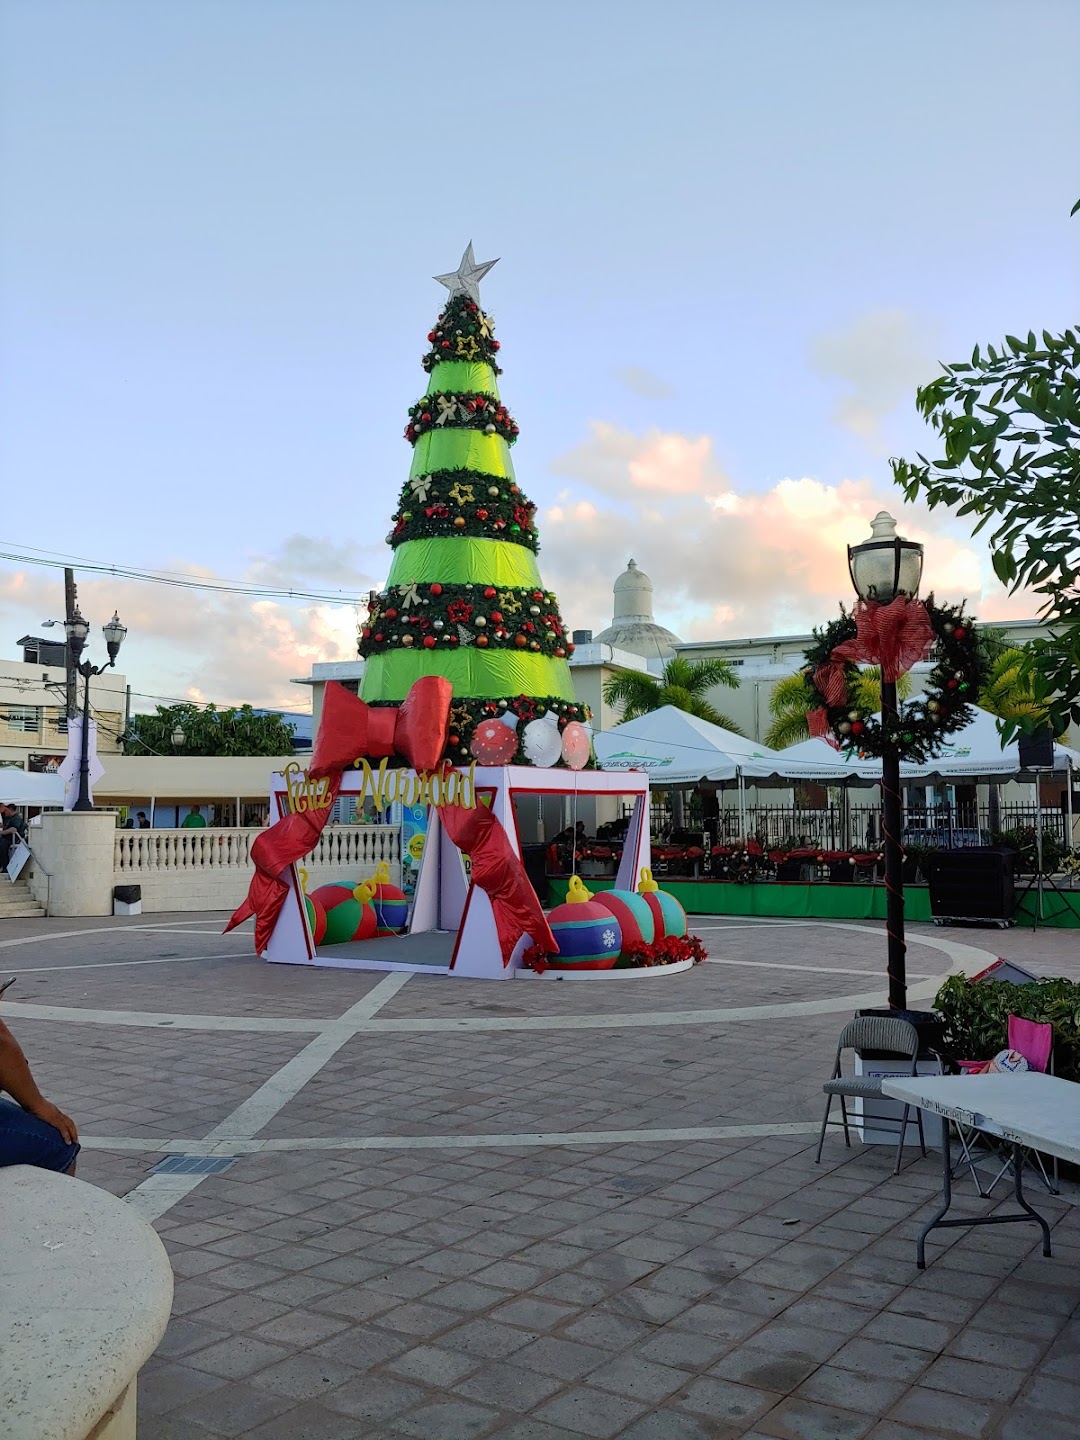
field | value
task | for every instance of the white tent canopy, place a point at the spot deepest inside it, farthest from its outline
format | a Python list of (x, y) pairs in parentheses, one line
[(975, 751), (679, 749), (24, 787)]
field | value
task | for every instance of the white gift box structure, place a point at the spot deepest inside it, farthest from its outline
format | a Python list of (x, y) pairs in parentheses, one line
[(446, 899)]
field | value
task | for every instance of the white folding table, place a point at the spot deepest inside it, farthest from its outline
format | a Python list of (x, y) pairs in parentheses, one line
[(1027, 1110)]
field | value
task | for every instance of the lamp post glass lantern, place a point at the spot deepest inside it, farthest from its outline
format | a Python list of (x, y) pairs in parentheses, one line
[(882, 569), (179, 735), (77, 630)]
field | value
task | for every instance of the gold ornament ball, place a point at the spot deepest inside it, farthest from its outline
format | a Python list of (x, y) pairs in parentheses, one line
[(853, 714), (479, 621), (406, 639), (459, 522), (843, 727), (493, 490), (489, 429)]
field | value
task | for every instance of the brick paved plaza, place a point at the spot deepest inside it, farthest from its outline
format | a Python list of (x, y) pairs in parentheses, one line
[(539, 1210)]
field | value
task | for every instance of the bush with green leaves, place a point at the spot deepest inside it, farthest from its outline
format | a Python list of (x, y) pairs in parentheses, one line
[(976, 1017), (1022, 841)]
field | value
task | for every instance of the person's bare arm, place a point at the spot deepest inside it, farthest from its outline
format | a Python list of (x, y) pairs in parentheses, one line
[(16, 1079)]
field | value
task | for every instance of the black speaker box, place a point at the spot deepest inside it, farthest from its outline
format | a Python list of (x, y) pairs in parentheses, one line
[(974, 884), (1037, 749)]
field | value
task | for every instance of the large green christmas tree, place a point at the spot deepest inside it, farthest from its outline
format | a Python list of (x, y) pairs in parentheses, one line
[(464, 597)]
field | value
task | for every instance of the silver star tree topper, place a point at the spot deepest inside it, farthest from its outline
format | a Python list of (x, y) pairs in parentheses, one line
[(465, 280)]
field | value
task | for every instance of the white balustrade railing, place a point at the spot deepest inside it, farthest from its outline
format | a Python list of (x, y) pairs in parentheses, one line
[(345, 847)]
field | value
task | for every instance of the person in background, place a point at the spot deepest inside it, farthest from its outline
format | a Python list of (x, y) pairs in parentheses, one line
[(193, 820), (12, 830), (144, 823), (33, 1131)]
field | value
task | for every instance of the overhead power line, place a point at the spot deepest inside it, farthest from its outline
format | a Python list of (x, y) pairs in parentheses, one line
[(176, 579)]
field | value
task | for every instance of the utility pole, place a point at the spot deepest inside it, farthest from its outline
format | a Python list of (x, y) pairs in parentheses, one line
[(71, 605)]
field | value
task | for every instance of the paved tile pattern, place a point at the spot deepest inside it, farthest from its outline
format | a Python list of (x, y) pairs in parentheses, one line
[(657, 1288)]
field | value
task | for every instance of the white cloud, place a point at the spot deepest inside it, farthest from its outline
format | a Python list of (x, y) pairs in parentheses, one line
[(644, 383), (881, 358), (725, 560), (205, 645)]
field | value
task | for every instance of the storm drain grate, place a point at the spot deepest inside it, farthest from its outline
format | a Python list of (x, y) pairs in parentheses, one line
[(193, 1165)]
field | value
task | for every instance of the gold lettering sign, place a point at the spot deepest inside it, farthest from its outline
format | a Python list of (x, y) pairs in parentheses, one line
[(302, 793), (438, 787)]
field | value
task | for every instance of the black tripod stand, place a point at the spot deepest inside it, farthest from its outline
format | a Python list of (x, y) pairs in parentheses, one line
[(1042, 881)]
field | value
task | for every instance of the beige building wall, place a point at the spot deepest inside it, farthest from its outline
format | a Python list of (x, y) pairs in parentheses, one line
[(33, 710)]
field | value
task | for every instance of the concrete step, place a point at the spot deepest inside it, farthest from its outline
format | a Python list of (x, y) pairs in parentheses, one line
[(16, 901)]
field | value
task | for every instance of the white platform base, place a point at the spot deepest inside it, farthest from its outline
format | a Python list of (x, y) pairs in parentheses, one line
[(640, 972)]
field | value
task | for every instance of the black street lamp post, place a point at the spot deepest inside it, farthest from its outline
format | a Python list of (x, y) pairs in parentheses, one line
[(77, 630), (882, 568)]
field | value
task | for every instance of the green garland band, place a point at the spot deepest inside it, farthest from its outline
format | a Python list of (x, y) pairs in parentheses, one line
[(462, 331), (460, 410), (464, 560), (444, 617), (920, 729), (466, 714), (463, 502), (479, 674)]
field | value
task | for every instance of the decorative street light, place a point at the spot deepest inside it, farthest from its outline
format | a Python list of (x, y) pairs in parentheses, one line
[(882, 568), (179, 735), (77, 630)]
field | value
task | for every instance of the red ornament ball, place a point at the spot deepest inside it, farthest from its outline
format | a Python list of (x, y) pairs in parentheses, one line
[(959, 632), (429, 642), (520, 641), (857, 727), (493, 743), (481, 514), (436, 589), (489, 592), (481, 642)]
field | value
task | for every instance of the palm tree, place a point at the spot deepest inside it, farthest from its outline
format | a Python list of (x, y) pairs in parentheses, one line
[(1007, 694), (794, 697), (683, 684)]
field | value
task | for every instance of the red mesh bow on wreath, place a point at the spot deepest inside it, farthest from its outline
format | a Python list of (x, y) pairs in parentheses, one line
[(894, 637)]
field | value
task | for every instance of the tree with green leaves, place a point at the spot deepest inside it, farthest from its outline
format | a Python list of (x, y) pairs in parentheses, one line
[(1009, 422), (206, 730), (684, 684)]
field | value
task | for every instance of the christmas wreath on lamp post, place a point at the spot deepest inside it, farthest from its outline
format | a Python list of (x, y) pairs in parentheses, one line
[(943, 708), (892, 628)]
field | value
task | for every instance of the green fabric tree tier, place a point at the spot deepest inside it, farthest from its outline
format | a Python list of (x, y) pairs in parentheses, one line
[(464, 597)]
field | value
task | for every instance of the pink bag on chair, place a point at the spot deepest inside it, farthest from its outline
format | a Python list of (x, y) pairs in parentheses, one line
[(1033, 1040)]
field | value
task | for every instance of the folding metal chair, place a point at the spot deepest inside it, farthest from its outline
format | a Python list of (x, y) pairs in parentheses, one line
[(887, 1036)]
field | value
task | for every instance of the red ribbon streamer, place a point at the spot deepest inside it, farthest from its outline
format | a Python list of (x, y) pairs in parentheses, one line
[(500, 874), (349, 729), (894, 636)]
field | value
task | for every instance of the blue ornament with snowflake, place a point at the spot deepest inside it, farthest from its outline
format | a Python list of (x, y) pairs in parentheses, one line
[(588, 936)]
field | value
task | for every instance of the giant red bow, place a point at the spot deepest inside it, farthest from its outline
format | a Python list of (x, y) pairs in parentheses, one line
[(894, 636), (349, 730)]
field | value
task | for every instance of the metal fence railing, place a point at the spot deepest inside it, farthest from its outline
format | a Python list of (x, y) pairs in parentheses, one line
[(858, 827)]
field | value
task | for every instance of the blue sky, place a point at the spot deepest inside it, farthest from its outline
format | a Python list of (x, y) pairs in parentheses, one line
[(734, 237)]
